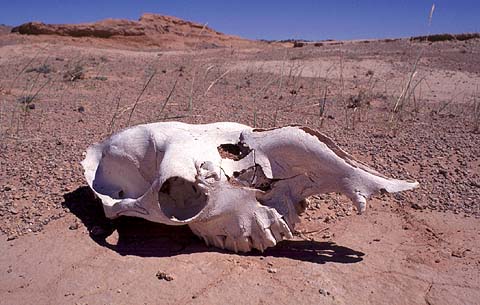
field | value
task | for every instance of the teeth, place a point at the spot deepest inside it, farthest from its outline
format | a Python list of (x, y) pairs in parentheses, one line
[(269, 239), (260, 247), (361, 203), (257, 244), (285, 229), (277, 233), (288, 234), (206, 240), (244, 244), (230, 244), (219, 241)]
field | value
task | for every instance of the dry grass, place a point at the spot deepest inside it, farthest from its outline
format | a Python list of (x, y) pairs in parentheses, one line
[(476, 113), (408, 91)]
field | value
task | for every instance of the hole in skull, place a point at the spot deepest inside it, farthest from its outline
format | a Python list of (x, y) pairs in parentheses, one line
[(233, 151), (253, 177), (180, 199)]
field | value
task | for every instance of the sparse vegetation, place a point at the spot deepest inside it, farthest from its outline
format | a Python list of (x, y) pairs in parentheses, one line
[(298, 44), (43, 69), (76, 73), (347, 91), (476, 113), (26, 99), (446, 37)]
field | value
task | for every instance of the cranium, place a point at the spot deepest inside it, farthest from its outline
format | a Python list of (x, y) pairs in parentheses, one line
[(236, 187)]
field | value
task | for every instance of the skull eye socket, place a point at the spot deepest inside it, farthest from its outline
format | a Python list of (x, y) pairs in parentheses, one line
[(180, 199), (233, 151)]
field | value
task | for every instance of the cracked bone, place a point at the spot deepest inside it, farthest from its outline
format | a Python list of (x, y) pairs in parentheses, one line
[(236, 187)]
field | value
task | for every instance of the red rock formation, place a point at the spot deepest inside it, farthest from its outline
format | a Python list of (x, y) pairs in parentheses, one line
[(102, 29), (150, 30)]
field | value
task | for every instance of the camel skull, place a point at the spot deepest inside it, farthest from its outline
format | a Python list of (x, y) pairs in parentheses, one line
[(236, 187)]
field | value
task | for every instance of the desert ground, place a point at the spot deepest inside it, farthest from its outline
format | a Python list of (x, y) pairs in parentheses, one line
[(409, 109)]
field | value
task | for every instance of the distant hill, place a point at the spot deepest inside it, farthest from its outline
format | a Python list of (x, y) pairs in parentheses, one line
[(5, 29), (150, 29)]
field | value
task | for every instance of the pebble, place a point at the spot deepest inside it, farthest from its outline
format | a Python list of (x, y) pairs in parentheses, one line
[(163, 276), (74, 226), (272, 270)]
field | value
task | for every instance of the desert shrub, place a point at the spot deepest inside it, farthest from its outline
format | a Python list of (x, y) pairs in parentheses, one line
[(298, 44), (43, 69), (287, 40), (27, 101), (467, 36), (446, 37), (476, 115), (74, 74)]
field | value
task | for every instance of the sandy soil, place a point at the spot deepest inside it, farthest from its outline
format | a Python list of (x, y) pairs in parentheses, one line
[(419, 247)]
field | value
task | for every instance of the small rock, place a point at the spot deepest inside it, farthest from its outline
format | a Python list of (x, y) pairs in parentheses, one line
[(73, 226), (81, 109), (272, 270), (416, 206), (323, 292), (163, 276), (11, 237), (443, 172), (458, 253), (475, 184)]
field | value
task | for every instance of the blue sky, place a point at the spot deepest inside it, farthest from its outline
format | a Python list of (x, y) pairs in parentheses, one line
[(269, 19)]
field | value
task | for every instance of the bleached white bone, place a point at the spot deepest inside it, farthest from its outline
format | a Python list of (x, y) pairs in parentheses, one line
[(236, 187)]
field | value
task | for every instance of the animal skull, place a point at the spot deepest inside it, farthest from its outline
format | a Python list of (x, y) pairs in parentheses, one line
[(236, 187)]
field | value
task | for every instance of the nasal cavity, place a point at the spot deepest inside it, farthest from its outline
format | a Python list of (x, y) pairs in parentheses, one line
[(181, 200)]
